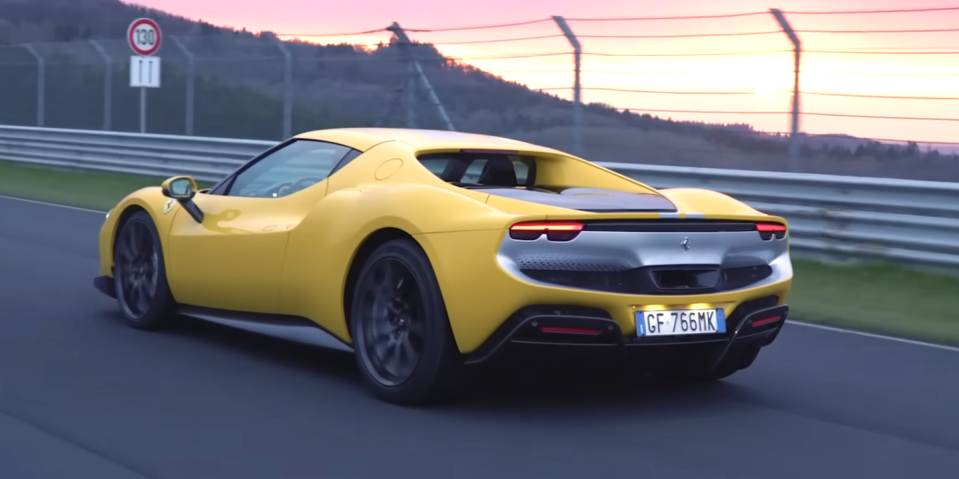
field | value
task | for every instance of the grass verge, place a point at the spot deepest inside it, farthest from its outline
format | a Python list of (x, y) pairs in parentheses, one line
[(878, 298), (83, 189)]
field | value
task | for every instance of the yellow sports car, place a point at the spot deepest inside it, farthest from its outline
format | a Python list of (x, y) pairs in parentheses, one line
[(425, 252)]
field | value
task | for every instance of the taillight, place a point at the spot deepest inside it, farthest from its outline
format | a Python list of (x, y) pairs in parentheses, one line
[(768, 230), (554, 230)]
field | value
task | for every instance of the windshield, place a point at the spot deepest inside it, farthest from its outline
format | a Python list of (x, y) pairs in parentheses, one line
[(482, 170)]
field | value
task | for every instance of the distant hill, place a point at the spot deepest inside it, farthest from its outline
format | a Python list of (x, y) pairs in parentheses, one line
[(240, 87)]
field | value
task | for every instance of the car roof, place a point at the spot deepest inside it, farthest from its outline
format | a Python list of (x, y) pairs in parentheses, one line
[(363, 139)]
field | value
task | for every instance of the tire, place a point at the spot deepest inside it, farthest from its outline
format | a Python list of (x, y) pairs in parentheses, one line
[(398, 312), (139, 275)]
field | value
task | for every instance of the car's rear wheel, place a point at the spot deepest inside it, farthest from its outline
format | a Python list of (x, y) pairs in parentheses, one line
[(139, 274), (401, 335)]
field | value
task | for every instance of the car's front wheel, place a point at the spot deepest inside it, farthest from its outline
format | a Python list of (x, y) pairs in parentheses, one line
[(139, 274), (401, 335)]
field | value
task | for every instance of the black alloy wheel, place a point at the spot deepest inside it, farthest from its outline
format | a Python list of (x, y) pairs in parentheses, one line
[(401, 334), (394, 330), (139, 274), (136, 269)]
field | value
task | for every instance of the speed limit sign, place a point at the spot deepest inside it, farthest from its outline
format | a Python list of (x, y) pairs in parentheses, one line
[(144, 36)]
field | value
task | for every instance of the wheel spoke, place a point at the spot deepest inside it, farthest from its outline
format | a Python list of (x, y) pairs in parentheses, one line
[(409, 353), (143, 297), (137, 268), (127, 255), (386, 288), (391, 355), (133, 294), (393, 329), (142, 240), (144, 290), (380, 331), (128, 247), (381, 349)]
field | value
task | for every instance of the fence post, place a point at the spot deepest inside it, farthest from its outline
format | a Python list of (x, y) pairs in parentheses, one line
[(409, 98), (797, 48), (107, 84), (190, 83), (417, 74), (41, 83), (577, 86), (288, 82)]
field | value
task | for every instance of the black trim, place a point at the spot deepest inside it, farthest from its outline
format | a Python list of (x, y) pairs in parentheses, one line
[(519, 330), (479, 151), (783, 311), (237, 319), (521, 326), (105, 285), (247, 317), (627, 210), (656, 280), (347, 158), (193, 210), (669, 226), (768, 313)]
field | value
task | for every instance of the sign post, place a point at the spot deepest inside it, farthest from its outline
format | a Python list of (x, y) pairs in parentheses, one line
[(144, 37)]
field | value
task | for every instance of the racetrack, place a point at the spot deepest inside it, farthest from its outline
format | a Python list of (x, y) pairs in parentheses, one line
[(84, 396)]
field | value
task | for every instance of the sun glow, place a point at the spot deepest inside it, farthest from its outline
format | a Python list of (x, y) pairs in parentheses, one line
[(749, 89)]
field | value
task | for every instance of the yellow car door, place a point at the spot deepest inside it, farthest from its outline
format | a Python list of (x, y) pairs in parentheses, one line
[(233, 258)]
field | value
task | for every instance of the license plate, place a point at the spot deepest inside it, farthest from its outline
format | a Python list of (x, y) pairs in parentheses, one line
[(680, 322)]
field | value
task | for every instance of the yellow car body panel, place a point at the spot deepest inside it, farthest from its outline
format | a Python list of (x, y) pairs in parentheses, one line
[(292, 254), (149, 199), (234, 259)]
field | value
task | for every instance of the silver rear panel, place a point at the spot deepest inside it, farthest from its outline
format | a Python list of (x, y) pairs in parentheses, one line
[(618, 251)]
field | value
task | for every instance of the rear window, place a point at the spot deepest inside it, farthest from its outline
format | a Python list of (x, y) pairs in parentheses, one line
[(493, 170)]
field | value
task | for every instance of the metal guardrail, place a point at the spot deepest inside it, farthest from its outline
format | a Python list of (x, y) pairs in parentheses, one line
[(914, 222), (153, 155), (906, 221)]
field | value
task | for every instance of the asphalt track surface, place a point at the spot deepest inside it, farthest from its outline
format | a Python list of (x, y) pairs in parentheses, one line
[(84, 396)]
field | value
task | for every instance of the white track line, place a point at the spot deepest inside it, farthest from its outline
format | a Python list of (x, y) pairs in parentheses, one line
[(53, 204), (791, 321), (875, 336)]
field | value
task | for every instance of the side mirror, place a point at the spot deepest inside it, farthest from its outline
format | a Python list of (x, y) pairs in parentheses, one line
[(183, 189), (180, 188)]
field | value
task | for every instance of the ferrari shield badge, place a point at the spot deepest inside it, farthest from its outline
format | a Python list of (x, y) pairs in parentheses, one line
[(169, 205)]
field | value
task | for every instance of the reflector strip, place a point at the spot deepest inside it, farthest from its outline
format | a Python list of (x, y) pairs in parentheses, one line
[(761, 322)]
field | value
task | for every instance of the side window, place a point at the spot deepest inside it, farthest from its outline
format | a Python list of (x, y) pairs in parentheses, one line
[(473, 172), (292, 168), (437, 166), (522, 171)]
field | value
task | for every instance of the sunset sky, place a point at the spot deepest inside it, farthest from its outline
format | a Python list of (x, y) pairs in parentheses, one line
[(766, 77)]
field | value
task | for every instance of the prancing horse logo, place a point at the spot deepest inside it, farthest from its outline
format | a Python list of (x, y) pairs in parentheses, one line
[(685, 244)]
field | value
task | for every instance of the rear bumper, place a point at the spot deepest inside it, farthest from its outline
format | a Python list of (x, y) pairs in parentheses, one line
[(566, 330), (105, 285)]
